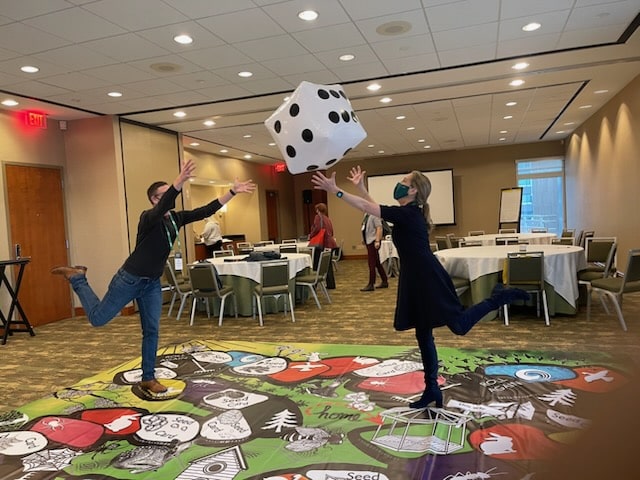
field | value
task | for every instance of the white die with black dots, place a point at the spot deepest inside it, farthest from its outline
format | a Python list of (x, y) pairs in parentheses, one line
[(315, 127)]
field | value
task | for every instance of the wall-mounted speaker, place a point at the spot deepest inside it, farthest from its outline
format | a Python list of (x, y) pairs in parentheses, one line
[(307, 196)]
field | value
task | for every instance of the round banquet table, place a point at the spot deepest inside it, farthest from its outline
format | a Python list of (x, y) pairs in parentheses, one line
[(532, 238)]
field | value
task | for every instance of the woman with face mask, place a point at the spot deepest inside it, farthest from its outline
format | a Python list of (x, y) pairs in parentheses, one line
[(426, 296)]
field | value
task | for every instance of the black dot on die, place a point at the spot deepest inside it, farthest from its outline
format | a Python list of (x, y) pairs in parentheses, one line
[(354, 117), (323, 94), (307, 135), (294, 110), (342, 94), (345, 116), (346, 151), (312, 167), (332, 161), (334, 117), (291, 151), (277, 126), (334, 93)]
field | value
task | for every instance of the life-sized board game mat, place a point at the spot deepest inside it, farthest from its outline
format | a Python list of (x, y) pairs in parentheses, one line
[(241, 410)]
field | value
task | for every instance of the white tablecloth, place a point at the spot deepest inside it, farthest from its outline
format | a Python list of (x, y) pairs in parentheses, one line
[(561, 264), (276, 247), (297, 262), (387, 251), (532, 238)]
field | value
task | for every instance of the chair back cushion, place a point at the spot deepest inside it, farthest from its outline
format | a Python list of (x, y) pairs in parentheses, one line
[(526, 268), (204, 277)]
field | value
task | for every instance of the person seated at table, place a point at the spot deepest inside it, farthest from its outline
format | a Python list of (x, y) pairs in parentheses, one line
[(139, 277), (426, 296), (212, 236), (372, 238)]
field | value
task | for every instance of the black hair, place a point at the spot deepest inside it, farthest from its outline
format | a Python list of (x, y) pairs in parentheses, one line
[(151, 191)]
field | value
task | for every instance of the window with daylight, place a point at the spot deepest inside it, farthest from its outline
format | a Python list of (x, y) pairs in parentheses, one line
[(542, 181)]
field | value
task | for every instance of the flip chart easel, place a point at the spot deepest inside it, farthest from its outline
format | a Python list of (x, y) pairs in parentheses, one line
[(510, 207)]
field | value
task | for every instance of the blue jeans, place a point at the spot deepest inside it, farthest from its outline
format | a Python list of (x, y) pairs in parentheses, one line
[(124, 288)]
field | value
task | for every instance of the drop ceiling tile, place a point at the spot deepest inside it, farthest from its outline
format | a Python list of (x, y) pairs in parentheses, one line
[(525, 46), (414, 19), (155, 66), (242, 26), (363, 54), (355, 72), (551, 23), (404, 47), (12, 66), (473, 36), (281, 46), (27, 40), (163, 37), (22, 10), (208, 8), (224, 92), (285, 13), (449, 16), (330, 38), (267, 86), (75, 25), (75, 57), (35, 89), (126, 48), (592, 36), (156, 86), (217, 57), (322, 77), (75, 81), (524, 9), (294, 65), (417, 63), (136, 15), (610, 13), (467, 55), (120, 73), (198, 80), (358, 10)]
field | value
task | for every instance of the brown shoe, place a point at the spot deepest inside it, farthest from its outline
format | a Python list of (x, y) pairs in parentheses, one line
[(69, 272), (383, 285), (153, 386)]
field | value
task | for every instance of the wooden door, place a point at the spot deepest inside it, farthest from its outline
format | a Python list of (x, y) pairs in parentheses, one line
[(36, 221)]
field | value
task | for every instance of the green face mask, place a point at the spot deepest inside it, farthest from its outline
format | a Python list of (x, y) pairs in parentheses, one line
[(400, 191)]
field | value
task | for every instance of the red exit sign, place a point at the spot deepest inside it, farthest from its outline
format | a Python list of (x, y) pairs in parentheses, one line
[(280, 167), (35, 119)]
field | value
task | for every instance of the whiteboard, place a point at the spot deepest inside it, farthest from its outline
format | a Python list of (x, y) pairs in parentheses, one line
[(510, 202), (441, 202)]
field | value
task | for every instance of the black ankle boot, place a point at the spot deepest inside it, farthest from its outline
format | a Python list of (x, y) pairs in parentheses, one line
[(430, 395), (501, 296)]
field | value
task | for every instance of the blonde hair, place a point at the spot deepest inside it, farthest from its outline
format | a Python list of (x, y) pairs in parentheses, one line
[(423, 186)]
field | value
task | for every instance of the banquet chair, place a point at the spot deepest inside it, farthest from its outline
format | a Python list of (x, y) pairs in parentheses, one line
[(433, 247), (205, 286), (177, 287), (288, 248), (525, 270), (223, 253), (229, 246), (337, 255), (506, 240), (568, 232), (442, 242), (244, 247), (469, 243), (474, 233), (502, 231), (290, 240), (600, 250), (264, 243), (540, 230), (274, 282), (454, 242), (318, 278), (614, 288), (586, 234), (563, 241), (309, 251)]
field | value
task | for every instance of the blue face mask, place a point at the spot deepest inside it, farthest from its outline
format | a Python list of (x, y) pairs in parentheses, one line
[(400, 191)]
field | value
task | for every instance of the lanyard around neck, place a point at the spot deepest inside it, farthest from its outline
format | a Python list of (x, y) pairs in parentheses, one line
[(166, 230)]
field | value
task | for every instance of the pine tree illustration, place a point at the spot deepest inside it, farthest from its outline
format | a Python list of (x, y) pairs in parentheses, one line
[(282, 419), (563, 397)]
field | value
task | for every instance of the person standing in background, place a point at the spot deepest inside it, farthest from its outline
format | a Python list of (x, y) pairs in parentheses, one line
[(372, 237), (212, 236), (322, 220)]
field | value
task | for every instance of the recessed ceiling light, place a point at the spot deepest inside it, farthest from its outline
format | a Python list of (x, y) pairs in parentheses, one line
[(183, 39), (179, 114), (194, 144), (421, 140), (29, 69), (114, 94), (586, 106), (520, 66), (598, 92), (224, 150), (396, 27), (385, 100), (380, 152), (308, 15), (208, 123), (272, 144), (347, 57), (401, 117), (286, 99), (427, 146), (245, 74), (9, 103), (516, 83), (511, 104), (507, 117), (531, 27), (560, 131), (569, 123), (371, 145), (247, 156), (248, 135), (374, 87), (501, 139), (504, 131), (411, 128)]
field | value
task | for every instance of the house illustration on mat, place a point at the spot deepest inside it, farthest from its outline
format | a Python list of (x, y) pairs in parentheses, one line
[(222, 465)]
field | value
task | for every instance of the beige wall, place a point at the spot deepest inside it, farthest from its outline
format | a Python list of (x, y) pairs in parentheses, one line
[(603, 172), (479, 175)]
